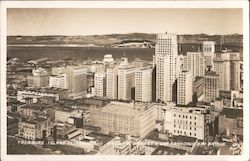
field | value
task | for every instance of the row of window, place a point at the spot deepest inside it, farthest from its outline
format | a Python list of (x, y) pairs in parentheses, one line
[(185, 116), (184, 133)]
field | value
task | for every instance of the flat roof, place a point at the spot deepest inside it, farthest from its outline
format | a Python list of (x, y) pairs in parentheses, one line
[(163, 150), (45, 90), (34, 106), (35, 121), (101, 137), (232, 112), (211, 73)]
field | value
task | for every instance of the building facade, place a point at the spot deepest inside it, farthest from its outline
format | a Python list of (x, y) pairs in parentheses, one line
[(34, 129), (165, 60), (58, 81), (39, 78), (184, 88), (208, 49), (100, 84), (195, 62), (227, 65), (124, 118), (185, 121), (211, 84), (111, 83), (126, 80), (143, 84)]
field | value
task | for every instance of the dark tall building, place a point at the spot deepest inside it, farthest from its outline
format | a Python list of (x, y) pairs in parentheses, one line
[(133, 93), (154, 84)]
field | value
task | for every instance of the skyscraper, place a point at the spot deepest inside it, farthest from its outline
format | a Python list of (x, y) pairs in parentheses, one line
[(184, 88), (208, 51), (79, 82), (111, 83), (222, 68), (195, 62), (165, 61), (76, 79), (143, 84), (227, 65), (100, 84), (126, 80), (211, 84)]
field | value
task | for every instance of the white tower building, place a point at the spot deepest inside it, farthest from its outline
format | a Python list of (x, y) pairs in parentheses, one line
[(166, 60)]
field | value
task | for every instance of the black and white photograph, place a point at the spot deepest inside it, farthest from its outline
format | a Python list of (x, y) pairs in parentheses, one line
[(151, 81)]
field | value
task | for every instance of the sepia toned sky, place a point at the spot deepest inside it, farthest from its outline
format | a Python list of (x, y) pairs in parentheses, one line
[(43, 21)]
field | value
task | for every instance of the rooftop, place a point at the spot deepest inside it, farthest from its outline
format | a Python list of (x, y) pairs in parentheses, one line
[(211, 73), (37, 106), (162, 150), (103, 138), (232, 112), (35, 121), (131, 109), (197, 79), (45, 90)]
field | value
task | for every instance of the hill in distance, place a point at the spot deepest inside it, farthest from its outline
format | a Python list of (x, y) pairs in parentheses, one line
[(114, 39)]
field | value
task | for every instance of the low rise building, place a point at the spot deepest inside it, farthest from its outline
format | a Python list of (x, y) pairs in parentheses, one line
[(36, 110), (34, 128), (231, 122), (65, 114), (58, 81), (36, 93), (187, 121), (135, 119)]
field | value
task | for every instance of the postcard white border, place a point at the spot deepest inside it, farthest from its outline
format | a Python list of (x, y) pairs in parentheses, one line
[(123, 4)]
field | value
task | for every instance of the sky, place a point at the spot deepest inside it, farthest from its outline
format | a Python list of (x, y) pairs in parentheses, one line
[(90, 21)]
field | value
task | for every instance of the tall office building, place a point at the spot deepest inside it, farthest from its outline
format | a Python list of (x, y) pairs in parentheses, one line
[(184, 88), (76, 79), (195, 62), (227, 65), (111, 83), (166, 60), (126, 80), (208, 51), (211, 84), (154, 84), (235, 69), (235, 75), (143, 84), (222, 68), (79, 82), (100, 84)]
